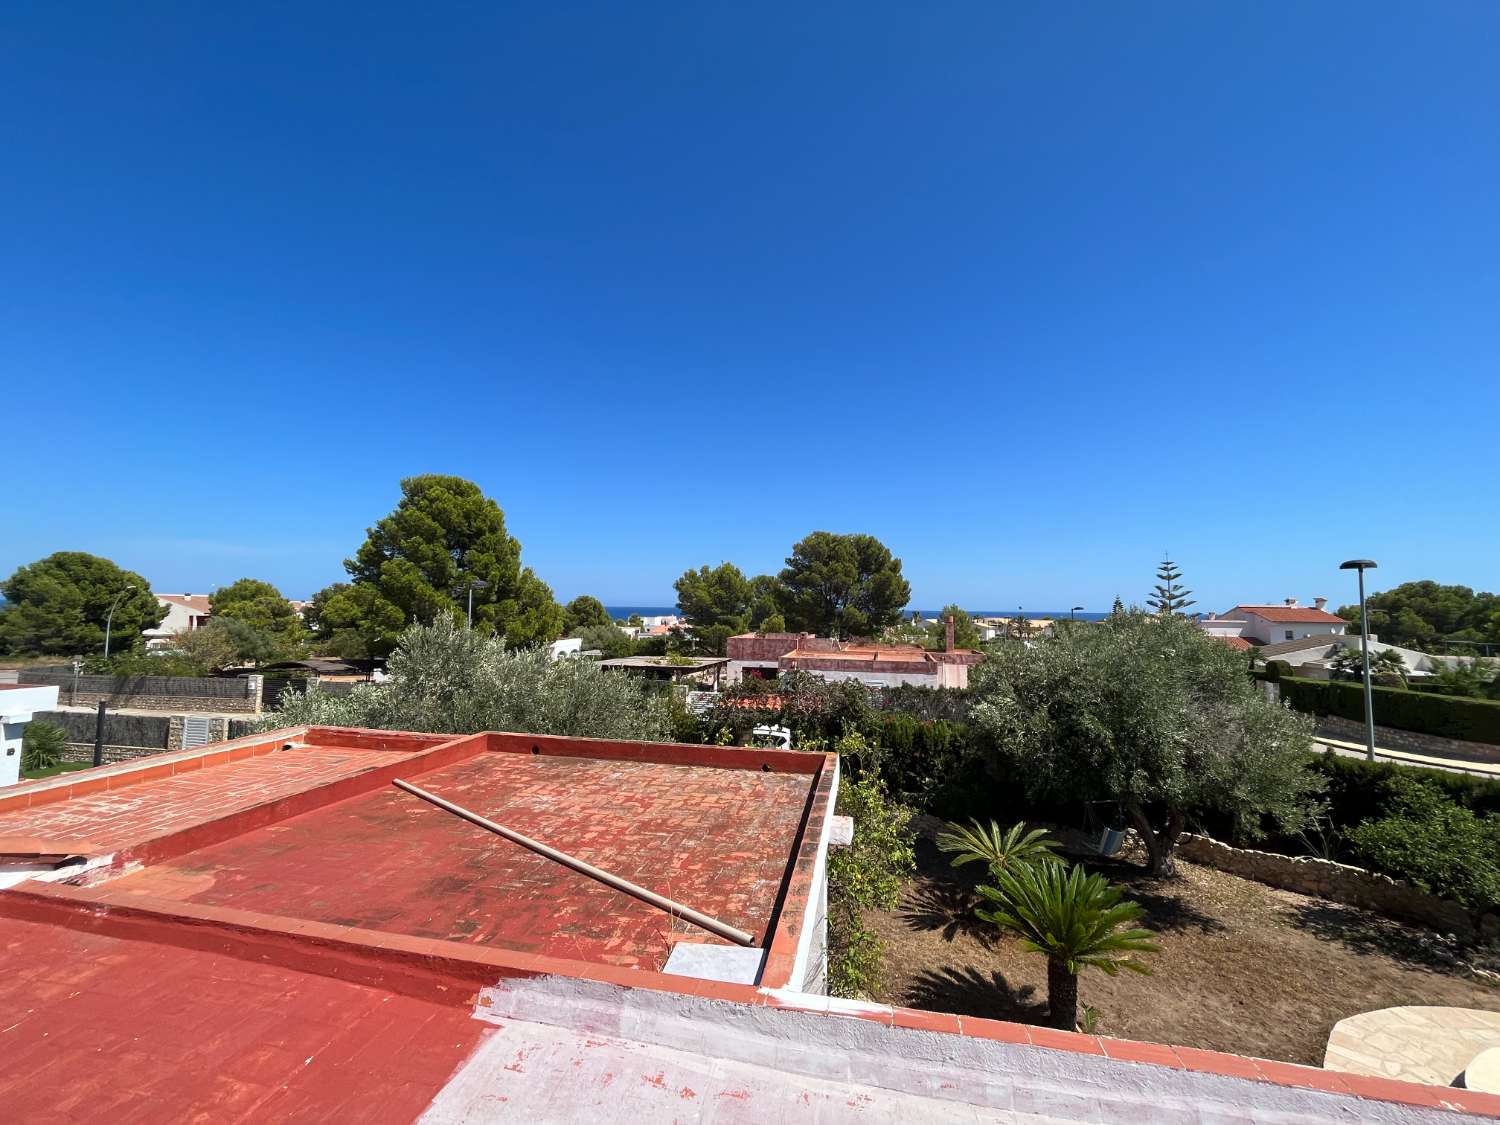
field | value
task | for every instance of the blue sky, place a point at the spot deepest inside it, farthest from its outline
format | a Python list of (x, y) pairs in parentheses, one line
[(1031, 291)]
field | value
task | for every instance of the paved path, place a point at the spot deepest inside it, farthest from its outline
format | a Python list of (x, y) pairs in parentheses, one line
[(1453, 765), (1415, 1044)]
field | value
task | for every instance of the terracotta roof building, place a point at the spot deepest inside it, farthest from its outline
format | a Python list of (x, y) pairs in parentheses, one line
[(1273, 624), (185, 613), (269, 930), (768, 655)]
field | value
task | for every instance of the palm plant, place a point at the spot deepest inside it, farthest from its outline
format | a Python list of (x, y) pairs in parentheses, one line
[(1008, 850), (1077, 920)]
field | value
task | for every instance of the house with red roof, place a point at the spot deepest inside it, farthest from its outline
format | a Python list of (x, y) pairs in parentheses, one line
[(875, 664), (185, 613), (1273, 624)]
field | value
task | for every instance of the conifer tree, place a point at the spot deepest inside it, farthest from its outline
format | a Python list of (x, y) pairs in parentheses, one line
[(1170, 596)]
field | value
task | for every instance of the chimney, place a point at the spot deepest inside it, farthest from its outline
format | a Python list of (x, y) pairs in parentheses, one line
[(948, 633), (1319, 603), (1291, 601)]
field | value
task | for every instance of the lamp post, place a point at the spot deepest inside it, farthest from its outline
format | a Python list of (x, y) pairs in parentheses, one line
[(1362, 565), (475, 583), (109, 619), (1072, 611)]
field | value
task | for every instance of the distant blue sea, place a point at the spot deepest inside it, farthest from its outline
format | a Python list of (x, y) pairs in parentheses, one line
[(624, 612)]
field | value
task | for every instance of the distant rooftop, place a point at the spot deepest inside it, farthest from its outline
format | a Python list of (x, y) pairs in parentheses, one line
[(1287, 614), (198, 603)]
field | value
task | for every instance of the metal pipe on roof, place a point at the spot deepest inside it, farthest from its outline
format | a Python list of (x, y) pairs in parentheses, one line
[(676, 909)]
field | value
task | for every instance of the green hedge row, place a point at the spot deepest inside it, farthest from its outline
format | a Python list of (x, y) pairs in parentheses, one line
[(1355, 787), (1450, 716)]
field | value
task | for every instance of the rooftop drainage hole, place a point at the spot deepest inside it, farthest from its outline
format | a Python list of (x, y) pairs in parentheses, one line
[(536, 749), (765, 767)]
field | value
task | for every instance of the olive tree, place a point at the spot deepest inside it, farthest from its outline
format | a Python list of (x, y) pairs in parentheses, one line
[(1152, 713), (449, 679)]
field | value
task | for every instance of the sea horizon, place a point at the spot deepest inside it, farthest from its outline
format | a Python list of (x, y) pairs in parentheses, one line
[(624, 612)]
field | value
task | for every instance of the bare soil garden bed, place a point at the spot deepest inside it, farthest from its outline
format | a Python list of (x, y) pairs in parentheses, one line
[(1243, 967)]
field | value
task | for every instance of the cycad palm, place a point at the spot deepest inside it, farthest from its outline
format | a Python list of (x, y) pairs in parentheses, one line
[(1078, 920), (1009, 850)]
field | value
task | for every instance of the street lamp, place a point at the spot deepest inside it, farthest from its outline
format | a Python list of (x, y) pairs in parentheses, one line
[(475, 583), (1072, 611), (1363, 565), (109, 619)]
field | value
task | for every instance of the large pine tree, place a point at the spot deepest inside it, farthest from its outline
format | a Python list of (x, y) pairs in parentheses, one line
[(1170, 597)]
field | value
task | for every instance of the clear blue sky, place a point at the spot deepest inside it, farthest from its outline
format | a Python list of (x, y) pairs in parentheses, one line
[(1030, 291)]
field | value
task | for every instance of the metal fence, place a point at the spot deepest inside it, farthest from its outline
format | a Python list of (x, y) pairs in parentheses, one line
[(126, 686), (119, 730)]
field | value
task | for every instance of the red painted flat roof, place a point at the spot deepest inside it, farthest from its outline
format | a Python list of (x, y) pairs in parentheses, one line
[(719, 840), (100, 1028), (260, 933)]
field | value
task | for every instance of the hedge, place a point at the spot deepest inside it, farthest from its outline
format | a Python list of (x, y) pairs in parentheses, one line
[(1355, 790), (1448, 716)]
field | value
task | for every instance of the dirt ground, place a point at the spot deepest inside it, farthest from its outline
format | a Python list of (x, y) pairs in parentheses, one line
[(1243, 967)]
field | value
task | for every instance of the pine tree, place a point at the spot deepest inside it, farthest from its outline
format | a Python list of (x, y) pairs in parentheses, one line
[(1119, 608), (1170, 596)]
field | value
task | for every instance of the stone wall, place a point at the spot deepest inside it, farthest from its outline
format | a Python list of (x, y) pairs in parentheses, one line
[(84, 752), (219, 730), (1338, 882), (1411, 742)]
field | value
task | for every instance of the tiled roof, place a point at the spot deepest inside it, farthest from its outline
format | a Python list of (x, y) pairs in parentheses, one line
[(198, 603), (1288, 614), (1236, 643)]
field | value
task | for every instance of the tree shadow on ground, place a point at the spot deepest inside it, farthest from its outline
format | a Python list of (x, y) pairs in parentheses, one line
[(974, 992), (1371, 934), (1166, 913), (932, 905)]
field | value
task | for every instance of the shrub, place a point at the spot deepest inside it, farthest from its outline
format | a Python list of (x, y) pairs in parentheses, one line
[(867, 875), (1357, 788), (923, 761), (445, 678), (1448, 716), (1277, 670), (1436, 845), (42, 746)]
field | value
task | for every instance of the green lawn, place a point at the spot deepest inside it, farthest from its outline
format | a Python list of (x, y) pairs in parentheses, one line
[(53, 771)]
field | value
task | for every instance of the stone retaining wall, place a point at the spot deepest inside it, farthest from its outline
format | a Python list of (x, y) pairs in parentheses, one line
[(1408, 741), (1338, 882)]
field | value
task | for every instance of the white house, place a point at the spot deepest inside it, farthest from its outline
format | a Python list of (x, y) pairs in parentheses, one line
[(568, 646), (1273, 624), (185, 612), (18, 702)]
